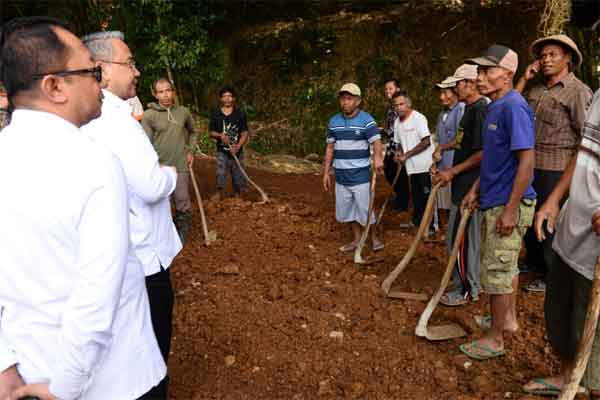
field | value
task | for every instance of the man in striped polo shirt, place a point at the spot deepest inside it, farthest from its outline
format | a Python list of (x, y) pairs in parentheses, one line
[(349, 135)]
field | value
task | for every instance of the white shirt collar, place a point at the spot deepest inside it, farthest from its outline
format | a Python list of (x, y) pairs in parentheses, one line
[(114, 100), (25, 116)]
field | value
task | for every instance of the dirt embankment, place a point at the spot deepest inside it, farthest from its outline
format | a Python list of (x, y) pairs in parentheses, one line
[(273, 311)]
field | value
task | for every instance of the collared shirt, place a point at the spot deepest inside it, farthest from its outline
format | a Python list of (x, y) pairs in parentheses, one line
[(351, 138), (73, 313), (575, 241), (446, 128), (153, 235), (559, 114)]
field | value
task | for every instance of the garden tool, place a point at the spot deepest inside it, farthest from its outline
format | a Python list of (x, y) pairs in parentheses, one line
[(363, 239), (584, 348), (209, 236), (399, 169), (265, 198), (449, 331), (425, 222)]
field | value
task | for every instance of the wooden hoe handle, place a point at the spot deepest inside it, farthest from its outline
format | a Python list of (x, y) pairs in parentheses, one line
[(200, 206), (584, 348)]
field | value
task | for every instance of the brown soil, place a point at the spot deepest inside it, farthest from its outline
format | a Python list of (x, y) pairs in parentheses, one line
[(255, 312)]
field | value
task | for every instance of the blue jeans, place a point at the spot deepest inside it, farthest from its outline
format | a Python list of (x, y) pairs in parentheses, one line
[(226, 164)]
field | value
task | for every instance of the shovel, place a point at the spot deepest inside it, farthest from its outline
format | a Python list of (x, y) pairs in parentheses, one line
[(400, 166), (450, 331), (265, 198), (209, 236), (363, 239), (584, 348), (425, 221)]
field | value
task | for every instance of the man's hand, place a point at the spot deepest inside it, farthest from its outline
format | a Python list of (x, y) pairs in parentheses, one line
[(225, 139), (506, 222), (190, 159), (10, 380), (39, 390), (378, 164), (445, 176), (547, 212), (400, 157), (234, 149), (437, 155), (532, 70), (470, 201), (596, 222), (326, 181)]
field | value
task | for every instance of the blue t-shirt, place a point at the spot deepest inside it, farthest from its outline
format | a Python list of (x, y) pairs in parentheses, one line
[(351, 138), (508, 128)]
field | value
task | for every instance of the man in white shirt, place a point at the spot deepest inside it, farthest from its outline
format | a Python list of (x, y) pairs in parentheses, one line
[(153, 235), (412, 132), (74, 316)]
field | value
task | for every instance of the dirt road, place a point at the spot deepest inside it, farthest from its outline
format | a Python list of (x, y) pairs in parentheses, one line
[(273, 311)]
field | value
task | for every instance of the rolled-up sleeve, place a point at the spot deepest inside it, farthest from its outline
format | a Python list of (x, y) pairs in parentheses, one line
[(101, 261)]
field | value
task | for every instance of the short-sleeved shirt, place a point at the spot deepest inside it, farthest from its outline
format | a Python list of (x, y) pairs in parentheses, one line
[(409, 133), (575, 241), (468, 141), (559, 113), (351, 138), (446, 127), (233, 125), (508, 128)]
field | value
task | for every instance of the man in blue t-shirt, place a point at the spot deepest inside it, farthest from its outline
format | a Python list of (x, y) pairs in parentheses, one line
[(349, 135), (504, 194)]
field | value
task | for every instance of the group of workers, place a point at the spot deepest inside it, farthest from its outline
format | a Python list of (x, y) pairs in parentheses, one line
[(508, 156)]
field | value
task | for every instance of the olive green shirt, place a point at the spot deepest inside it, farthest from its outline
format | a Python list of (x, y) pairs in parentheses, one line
[(171, 132)]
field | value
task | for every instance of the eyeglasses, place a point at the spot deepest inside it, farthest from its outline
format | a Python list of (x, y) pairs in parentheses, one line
[(130, 63), (96, 72)]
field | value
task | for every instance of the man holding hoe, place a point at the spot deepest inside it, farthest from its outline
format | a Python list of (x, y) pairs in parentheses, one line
[(349, 135), (504, 193)]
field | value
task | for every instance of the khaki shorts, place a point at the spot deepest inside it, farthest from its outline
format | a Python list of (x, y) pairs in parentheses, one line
[(500, 254)]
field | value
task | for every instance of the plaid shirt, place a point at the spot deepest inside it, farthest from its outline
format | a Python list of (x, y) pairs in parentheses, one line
[(559, 115)]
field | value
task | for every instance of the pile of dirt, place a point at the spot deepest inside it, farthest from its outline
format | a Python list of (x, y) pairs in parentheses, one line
[(274, 311)]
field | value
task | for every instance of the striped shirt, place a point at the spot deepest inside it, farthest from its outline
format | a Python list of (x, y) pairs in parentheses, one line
[(351, 138)]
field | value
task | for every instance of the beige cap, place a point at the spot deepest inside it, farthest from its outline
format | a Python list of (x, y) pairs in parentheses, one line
[(351, 88), (497, 56), (446, 83), (464, 72), (563, 40)]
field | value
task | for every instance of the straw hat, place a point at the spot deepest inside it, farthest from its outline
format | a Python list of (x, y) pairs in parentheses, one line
[(563, 40)]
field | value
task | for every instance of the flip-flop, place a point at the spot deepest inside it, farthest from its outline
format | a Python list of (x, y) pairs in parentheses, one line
[(487, 351), (548, 389), (348, 247), (378, 246), (483, 321), (453, 299)]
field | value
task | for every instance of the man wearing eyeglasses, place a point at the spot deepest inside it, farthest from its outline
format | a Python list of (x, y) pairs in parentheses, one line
[(154, 238), (73, 312)]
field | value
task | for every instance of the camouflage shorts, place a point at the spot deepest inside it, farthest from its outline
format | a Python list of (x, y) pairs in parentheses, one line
[(500, 254)]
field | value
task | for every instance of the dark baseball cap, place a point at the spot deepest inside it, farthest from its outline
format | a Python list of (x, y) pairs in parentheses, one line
[(497, 56)]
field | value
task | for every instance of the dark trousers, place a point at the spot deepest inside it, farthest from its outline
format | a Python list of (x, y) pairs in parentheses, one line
[(160, 294), (537, 252), (420, 185), (401, 188)]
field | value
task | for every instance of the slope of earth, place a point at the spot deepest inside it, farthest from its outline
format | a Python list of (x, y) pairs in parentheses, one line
[(274, 311)]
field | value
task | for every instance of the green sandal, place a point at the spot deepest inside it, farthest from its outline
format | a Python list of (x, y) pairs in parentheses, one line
[(484, 353)]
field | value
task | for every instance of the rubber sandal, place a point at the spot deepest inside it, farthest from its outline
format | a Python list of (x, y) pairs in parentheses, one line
[(484, 353), (538, 286), (347, 248), (453, 299), (378, 246), (548, 389)]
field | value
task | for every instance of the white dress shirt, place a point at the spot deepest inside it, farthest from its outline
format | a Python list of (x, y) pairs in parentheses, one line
[(153, 234), (74, 313)]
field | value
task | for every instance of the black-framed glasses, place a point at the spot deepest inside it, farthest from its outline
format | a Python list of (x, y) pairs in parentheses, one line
[(96, 72)]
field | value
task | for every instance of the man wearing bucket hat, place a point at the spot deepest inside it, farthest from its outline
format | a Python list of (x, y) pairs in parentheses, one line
[(503, 192), (349, 135), (467, 148), (445, 131), (559, 102)]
